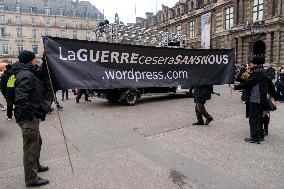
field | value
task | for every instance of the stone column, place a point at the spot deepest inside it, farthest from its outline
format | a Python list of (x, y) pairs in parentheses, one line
[(268, 53), (280, 8), (276, 48), (281, 48), (247, 51), (240, 51)]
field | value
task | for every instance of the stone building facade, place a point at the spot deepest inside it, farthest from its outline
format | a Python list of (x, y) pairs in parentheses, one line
[(24, 22), (252, 27)]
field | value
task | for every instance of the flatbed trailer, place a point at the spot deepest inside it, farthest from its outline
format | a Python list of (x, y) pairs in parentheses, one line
[(130, 96)]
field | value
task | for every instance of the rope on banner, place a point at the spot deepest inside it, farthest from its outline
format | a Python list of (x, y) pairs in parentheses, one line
[(57, 110)]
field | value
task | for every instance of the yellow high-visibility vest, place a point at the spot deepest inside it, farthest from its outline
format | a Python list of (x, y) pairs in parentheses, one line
[(11, 81)]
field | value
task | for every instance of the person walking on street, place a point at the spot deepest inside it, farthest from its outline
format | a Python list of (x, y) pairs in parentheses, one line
[(7, 88), (30, 107), (257, 86), (201, 94), (65, 92), (80, 93)]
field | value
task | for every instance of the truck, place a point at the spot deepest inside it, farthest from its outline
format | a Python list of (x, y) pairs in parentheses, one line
[(130, 96)]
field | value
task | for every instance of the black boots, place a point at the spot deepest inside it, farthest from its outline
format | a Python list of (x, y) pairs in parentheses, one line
[(38, 182), (208, 121), (198, 123), (42, 168), (202, 122), (252, 140), (265, 120)]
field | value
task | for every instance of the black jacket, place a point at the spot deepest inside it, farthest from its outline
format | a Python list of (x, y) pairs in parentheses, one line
[(258, 85), (29, 93), (271, 73), (4, 79), (202, 93)]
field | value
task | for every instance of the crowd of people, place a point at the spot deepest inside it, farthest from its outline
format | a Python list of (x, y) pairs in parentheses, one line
[(27, 90), (259, 95)]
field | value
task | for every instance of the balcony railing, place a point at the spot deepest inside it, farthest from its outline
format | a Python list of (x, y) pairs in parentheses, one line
[(14, 54)]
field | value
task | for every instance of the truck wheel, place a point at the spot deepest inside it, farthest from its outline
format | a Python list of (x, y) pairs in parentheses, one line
[(131, 98)]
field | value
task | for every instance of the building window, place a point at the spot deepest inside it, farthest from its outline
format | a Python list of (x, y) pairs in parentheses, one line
[(61, 11), (33, 10), (2, 18), (47, 32), (200, 3), (18, 9), (74, 35), (47, 11), (87, 24), (61, 23), (34, 33), (191, 29), (257, 10), (62, 33), (35, 49), (88, 36), (4, 49), (74, 13), (19, 32), (2, 7), (74, 24), (2, 31), (47, 22), (229, 18), (179, 30), (18, 20), (20, 48), (33, 21)]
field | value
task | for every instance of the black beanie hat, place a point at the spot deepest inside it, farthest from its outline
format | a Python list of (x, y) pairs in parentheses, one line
[(257, 60), (26, 56)]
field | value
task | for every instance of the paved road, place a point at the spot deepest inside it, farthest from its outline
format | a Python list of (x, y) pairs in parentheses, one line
[(152, 145)]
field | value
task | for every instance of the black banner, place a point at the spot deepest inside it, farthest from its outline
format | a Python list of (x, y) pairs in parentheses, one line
[(97, 65)]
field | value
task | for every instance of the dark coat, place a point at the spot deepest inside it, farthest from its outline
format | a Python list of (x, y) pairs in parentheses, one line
[(202, 93), (4, 79), (29, 94), (258, 85), (271, 73)]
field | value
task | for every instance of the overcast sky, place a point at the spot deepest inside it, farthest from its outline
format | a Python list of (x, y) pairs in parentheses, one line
[(126, 8)]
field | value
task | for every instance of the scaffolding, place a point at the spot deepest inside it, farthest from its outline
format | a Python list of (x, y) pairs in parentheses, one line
[(136, 35)]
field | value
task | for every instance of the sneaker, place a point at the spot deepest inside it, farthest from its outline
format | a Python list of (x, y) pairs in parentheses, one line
[(3, 108), (208, 121), (9, 119)]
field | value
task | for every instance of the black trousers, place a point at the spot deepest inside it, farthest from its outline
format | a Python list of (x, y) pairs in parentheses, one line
[(255, 120), (66, 93), (80, 93), (10, 98), (201, 111)]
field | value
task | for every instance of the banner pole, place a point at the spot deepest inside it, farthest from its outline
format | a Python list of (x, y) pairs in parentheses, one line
[(60, 122)]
